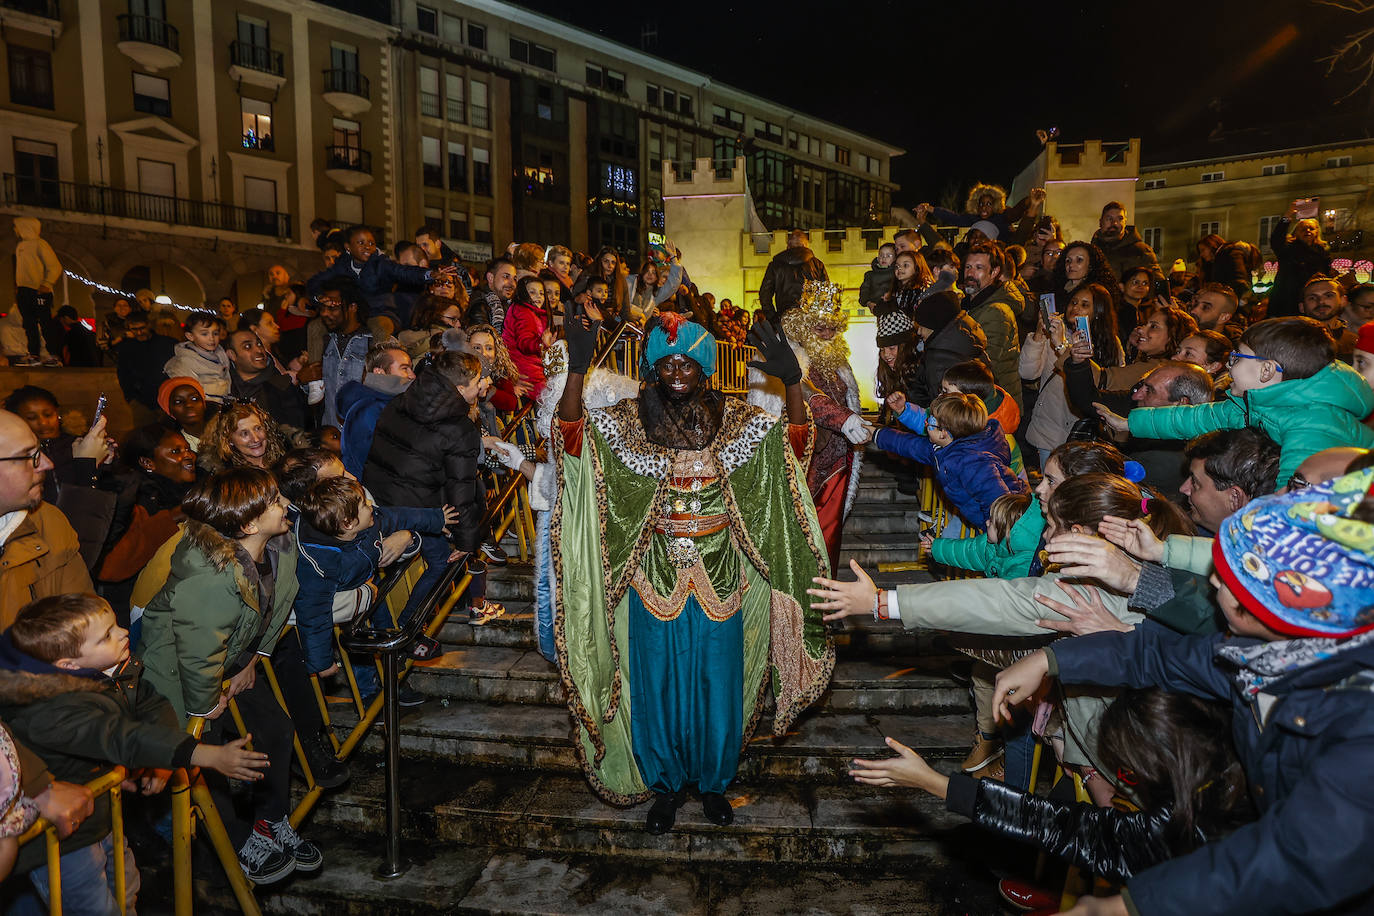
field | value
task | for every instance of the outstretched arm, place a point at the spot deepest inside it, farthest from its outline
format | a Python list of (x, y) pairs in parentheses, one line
[(580, 332), (778, 360)]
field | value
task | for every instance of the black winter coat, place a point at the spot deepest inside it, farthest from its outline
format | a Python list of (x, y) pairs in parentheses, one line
[(956, 342), (1108, 842), (781, 287), (138, 365), (1230, 268), (274, 393), (1298, 263), (424, 454)]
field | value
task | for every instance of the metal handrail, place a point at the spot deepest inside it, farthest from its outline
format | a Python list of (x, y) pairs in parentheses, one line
[(353, 158), (348, 81), (257, 57), (110, 782), (149, 30)]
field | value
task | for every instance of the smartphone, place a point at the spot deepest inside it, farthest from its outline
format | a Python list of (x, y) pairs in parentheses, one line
[(1307, 207), (1081, 326), (1047, 307), (99, 409)]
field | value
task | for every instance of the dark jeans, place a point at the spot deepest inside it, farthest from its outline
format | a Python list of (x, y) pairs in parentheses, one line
[(36, 310), (270, 797), (288, 661)]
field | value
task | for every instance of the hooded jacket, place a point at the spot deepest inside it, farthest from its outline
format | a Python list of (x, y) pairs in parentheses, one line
[(995, 309), (329, 565), (1305, 752), (1127, 252), (210, 369), (83, 722), (41, 558), (210, 613), (960, 340), (35, 263), (1303, 416), (360, 404), (781, 286), (973, 470), (876, 283), (425, 452), (375, 279), (523, 335), (1009, 558)]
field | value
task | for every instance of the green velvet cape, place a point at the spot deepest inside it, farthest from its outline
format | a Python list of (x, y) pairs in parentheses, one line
[(602, 533)]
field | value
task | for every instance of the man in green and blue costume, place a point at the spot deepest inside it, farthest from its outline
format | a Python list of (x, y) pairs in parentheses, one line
[(684, 539)]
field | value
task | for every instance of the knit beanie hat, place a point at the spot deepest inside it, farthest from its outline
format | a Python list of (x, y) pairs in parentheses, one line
[(895, 328), (988, 228), (1364, 340), (164, 391), (937, 310), (1303, 562)]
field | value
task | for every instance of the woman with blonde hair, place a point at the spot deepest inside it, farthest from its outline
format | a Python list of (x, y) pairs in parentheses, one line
[(1302, 254), (242, 435)]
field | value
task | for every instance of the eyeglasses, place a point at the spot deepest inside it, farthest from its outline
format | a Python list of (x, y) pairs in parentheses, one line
[(1236, 356), (933, 424), (35, 457)]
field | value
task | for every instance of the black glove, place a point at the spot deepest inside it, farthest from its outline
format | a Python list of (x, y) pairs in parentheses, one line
[(580, 333), (778, 359)]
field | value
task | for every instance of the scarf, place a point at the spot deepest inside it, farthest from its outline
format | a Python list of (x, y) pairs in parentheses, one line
[(1260, 665)]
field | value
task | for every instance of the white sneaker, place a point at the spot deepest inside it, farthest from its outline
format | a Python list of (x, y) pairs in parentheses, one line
[(263, 861)]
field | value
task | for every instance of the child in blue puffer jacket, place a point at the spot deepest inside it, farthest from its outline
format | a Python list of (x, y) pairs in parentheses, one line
[(967, 450), (340, 535)]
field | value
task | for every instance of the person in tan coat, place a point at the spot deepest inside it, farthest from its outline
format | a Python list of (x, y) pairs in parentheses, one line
[(39, 552)]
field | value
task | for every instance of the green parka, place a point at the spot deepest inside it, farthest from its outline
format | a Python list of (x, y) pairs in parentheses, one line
[(207, 615), (1009, 558), (1303, 416)]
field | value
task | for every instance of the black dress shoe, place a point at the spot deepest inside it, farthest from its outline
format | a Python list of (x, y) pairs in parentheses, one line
[(717, 809), (662, 813)]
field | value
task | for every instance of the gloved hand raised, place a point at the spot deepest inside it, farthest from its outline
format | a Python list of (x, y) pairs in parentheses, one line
[(580, 331), (777, 360)]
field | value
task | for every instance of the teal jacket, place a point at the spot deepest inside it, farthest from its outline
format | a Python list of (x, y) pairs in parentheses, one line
[(1303, 416), (1009, 558)]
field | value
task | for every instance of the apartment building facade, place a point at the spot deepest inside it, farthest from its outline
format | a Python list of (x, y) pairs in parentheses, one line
[(185, 146)]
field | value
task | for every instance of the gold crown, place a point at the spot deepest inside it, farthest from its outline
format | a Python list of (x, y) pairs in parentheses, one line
[(819, 304)]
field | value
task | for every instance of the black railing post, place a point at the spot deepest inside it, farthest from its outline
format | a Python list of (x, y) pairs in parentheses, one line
[(393, 866)]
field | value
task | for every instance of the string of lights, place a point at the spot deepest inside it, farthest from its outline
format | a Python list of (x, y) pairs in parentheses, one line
[(96, 284)]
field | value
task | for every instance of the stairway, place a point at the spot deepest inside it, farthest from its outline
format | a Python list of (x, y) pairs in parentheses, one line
[(498, 817)]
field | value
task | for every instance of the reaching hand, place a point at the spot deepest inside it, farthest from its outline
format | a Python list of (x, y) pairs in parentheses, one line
[(579, 330), (856, 430), (778, 360), (233, 759), (896, 402), (393, 546), (1087, 615), (1134, 537), (908, 768), (846, 599), (1090, 557), (508, 453), (1114, 420), (1019, 683)]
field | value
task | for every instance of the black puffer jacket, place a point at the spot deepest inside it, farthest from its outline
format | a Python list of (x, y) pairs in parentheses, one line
[(962, 339), (424, 454), (1111, 843), (781, 287), (1298, 263)]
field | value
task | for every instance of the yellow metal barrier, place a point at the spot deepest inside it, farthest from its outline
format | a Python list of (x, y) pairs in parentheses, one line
[(110, 783)]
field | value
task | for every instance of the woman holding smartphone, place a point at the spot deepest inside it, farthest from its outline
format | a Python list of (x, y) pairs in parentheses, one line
[(1301, 253)]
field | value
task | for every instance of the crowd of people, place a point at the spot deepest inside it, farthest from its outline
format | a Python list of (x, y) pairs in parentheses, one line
[(1161, 476)]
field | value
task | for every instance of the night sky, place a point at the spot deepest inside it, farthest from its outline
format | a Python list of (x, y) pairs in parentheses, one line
[(963, 86)]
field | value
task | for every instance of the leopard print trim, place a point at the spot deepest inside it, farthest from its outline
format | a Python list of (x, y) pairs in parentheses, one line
[(810, 675), (742, 429), (576, 707), (694, 580)]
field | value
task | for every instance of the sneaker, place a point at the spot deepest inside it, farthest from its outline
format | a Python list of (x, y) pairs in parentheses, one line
[(406, 696), (493, 554), (996, 771), (25, 361), (262, 860), (305, 854), (984, 752), (329, 771), (488, 612), (51, 362)]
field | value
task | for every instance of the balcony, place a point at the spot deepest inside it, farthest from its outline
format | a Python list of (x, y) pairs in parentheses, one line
[(42, 17), (347, 91), (114, 202), (256, 65), (154, 44), (348, 166)]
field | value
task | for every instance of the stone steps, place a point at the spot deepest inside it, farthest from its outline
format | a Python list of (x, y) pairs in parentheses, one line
[(556, 813), (464, 879)]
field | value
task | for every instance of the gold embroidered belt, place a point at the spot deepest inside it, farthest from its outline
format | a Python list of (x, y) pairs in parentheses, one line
[(691, 526)]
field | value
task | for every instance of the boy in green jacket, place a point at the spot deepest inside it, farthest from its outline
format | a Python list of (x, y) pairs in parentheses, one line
[(70, 690), (1285, 380)]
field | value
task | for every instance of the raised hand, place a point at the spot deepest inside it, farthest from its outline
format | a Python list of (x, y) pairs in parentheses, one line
[(1087, 614), (1132, 536), (777, 360), (579, 330), (908, 768), (1110, 418), (1019, 683)]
